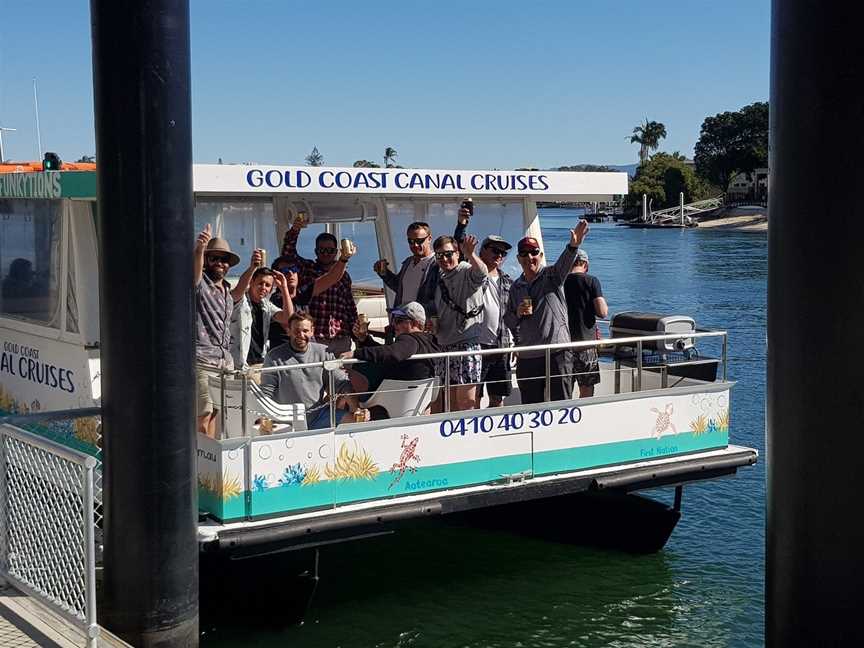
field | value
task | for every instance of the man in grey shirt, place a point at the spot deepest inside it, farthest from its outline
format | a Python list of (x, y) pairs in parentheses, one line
[(308, 385), (538, 310)]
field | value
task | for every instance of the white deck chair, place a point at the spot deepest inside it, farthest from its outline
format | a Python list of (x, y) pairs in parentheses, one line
[(403, 397), (257, 405)]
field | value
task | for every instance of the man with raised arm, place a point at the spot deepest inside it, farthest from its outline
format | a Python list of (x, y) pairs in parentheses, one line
[(214, 303), (538, 311), (417, 279), (295, 299), (459, 304), (585, 303), (253, 314), (309, 384), (495, 374), (333, 310)]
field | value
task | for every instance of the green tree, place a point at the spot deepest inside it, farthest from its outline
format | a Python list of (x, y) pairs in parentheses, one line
[(314, 158), (662, 177), (87, 158), (731, 143), (390, 156), (584, 167), (366, 164), (647, 136)]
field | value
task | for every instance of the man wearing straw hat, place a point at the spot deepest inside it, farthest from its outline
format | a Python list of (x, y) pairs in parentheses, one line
[(214, 303)]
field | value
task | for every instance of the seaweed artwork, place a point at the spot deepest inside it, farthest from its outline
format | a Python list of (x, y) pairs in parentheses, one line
[(699, 425), (259, 484), (226, 488), (349, 464), (723, 420), (292, 475), (313, 475)]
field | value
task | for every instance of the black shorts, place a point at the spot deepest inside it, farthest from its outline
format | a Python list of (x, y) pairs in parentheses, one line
[(496, 371), (586, 367)]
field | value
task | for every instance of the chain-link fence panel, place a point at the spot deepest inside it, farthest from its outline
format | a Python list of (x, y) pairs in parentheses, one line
[(47, 525)]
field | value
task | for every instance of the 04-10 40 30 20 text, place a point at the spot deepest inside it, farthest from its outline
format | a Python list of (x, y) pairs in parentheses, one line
[(510, 422)]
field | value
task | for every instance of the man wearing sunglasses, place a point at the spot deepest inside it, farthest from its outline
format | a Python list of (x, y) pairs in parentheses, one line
[(459, 305), (333, 310), (538, 312), (418, 276), (495, 372), (214, 303)]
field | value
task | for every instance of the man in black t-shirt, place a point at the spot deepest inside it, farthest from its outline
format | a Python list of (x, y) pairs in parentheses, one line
[(585, 303)]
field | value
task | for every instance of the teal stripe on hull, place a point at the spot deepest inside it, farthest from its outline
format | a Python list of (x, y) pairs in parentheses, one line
[(388, 485)]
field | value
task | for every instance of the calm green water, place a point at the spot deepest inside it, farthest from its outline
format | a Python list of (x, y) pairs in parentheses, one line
[(435, 585)]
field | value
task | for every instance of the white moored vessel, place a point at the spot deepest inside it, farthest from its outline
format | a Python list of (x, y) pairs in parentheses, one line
[(656, 419)]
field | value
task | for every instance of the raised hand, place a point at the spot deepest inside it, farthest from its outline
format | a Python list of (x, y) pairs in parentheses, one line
[(257, 259), (352, 250), (463, 216), (281, 281), (469, 244), (203, 238), (380, 267), (578, 233)]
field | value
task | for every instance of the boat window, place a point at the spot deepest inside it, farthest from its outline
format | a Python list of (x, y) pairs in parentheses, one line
[(245, 224), (360, 268), (504, 219), (30, 260)]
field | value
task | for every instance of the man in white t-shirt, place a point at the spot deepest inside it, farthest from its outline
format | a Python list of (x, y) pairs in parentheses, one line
[(495, 372)]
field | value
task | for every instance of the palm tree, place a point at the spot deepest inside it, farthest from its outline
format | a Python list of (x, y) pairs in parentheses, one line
[(648, 136), (365, 164), (390, 155), (314, 158)]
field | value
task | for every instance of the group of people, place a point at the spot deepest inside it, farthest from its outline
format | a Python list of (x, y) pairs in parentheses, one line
[(451, 295)]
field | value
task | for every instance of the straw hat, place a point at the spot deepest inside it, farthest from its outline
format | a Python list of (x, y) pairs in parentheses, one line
[(220, 246)]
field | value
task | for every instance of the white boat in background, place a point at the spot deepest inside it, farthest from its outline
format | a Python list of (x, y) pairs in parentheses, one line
[(648, 425)]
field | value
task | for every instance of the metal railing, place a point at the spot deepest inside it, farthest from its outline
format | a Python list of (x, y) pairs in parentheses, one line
[(47, 524), (638, 343)]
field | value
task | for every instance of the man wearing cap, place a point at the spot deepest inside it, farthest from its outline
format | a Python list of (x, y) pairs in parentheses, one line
[(392, 360), (585, 303), (214, 303), (538, 312), (494, 334)]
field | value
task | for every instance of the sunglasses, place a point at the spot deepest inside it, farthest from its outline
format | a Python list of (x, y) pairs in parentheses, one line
[(525, 253), (497, 251), (287, 269), (417, 241), (445, 254), (327, 250), (218, 258)]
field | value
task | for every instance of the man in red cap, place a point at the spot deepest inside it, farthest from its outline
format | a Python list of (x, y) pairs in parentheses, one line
[(538, 310)]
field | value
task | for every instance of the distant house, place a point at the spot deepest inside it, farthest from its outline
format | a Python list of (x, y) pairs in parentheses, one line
[(749, 186)]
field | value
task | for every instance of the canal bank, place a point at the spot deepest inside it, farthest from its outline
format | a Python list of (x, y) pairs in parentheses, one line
[(737, 219)]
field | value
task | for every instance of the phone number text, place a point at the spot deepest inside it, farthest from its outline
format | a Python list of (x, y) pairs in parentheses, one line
[(510, 422)]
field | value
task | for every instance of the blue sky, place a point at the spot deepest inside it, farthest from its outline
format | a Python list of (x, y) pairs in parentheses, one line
[(483, 84)]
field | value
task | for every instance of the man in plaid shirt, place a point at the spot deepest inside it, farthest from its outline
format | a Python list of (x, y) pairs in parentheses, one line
[(334, 309)]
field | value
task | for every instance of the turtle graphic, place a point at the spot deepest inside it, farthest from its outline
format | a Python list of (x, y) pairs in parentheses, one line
[(664, 421)]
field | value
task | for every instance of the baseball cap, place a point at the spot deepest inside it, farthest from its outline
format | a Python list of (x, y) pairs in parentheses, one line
[(411, 310), (494, 239), (528, 243), (581, 255)]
